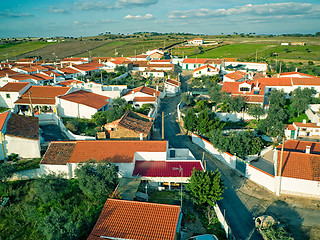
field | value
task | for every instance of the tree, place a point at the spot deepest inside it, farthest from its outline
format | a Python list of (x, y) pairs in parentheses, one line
[(187, 99), (120, 69), (301, 98), (256, 111), (6, 171), (190, 120), (205, 187), (237, 103), (97, 180), (57, 225)]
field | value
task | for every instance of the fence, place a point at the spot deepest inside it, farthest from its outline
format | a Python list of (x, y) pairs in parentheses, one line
[(224, 222)]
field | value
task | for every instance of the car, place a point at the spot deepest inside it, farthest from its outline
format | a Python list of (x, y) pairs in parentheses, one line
[(204, 237)]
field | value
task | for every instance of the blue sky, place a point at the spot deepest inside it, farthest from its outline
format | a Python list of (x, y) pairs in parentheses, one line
[(35, 18)]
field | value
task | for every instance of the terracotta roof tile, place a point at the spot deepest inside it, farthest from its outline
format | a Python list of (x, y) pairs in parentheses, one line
[(204, 67), (172, 82), (315, 81), (7, 71), (297, 73), (13, 86), (136, 122), (103, 150), (87, 98), (3, 118), (88, 66), (300, 146), (68, 70), (237, 75), (307, 125), (165, 168), (144, 89), (290, 127), (136, 220), (67, 83), (195, 60), (285, 81), (145, 99), (42, 95), (22, 126)]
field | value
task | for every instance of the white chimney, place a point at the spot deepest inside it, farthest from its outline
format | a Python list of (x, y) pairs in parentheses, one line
[(61, 65), (307, 149), (141, 136), (318, 123), (296, 69), (99, 60), (304, 121), (157, 88)]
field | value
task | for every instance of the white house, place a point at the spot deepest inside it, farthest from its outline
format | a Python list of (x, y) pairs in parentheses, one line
[(81, 104), (172, 87), (133, 158), (196, 41), (193, 63), (206, 70), (10, 93), (253, 66), (313, 113), (20, 135), (74, 60), (298, 129), (69, 73), (153, 73), (87, 69)]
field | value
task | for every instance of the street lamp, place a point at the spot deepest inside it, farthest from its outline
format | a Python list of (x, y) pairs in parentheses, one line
[(180, 170)]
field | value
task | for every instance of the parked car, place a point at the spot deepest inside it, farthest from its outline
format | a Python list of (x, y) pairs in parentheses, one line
[(204, 237)]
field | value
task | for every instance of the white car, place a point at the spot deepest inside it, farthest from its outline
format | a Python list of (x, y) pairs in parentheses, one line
[(204, 237)]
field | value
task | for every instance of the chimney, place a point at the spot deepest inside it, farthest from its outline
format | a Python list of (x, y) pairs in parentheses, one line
[(141, 136), (99, 60), (296, 70), (304, 121), (157, 88), (61, 65), (307, 149)]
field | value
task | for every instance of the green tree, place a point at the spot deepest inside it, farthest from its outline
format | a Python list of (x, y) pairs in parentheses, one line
[(190, 120), (237, 103), (204, 122), (256, 111), (301, 98), (6, 171), (97, 180), (205, 187), (120, 69), (57, 225), (187, 99)]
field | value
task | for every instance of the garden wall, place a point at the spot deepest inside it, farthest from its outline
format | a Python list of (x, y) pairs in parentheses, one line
[(236, 117)]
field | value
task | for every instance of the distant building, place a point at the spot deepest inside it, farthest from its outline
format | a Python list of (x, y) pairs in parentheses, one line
[(196, 41)]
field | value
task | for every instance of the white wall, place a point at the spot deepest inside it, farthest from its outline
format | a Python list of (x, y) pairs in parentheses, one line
[(26, 148), (150, 156), (300, 187), (8, 102), (236, 117), (72, 109), (47, 168), (260, 177)]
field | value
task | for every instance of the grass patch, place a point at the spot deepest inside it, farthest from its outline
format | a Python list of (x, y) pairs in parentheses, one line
[(80, 125), (299, 118), (15, 49), (2, 109), (27, 164)]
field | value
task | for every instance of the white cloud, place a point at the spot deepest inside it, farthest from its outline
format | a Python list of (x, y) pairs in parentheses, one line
[(272, 9), (92, 23), (137, 3), (58, 10), (98, 5), (139, 17), (9, 14)]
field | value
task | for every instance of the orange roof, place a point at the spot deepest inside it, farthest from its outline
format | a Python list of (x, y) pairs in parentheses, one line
[(114, 151), (315, 81), (3, 118), (233, 88), (88, 66), (7, 71), (230, 59), (144, 99), (308, 125), (42, 76), (20, 77), (204, 67), (68, 70), (23, 127), (297, 73), (144, 89), (73, 59), (51, 73), (290, 127), (42, 95), (285, 81), (68, 82), (161, 61), (237, 75), (122, 219), (195, 60), (13, 86), (300, 146), (86, 98), (175, 83)]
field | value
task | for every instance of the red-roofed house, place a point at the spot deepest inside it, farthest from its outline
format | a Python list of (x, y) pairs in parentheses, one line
[(196, 41), (206, 70), (74, 60), (296, 74), (172, 87), (253, 92), (10, 93), (298, 171), (69, 73), (237, 76), (298, 129), (81, 104), (122, 219), (88, 69), (193, 63), (20, 135)]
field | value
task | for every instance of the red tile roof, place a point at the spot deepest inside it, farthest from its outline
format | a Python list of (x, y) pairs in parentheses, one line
[(68, 70), (144, 89), (290, 127), (296, 73), (285, 81), (145, 99), (7, 71), (14, 86), (306, 125), (122, 219), (3, 118), (68, 82), (102, 150), (315, 81), (300, 146), (172, 82), (165, 168), (204, 67), (44, 95), (160, 60), (76, 59), (23, 127), (88, 66), (237, 75), (195, 60), (86, 98)]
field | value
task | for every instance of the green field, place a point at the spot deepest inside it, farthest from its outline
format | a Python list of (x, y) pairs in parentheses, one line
[(13, 50)]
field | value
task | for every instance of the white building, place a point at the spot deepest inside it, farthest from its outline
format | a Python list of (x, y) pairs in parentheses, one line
[(81, 104), (298, 129), (252, 66), (10, 93), (20, 135), (172, 87), (196, 41), (206, 70), (153, 73)]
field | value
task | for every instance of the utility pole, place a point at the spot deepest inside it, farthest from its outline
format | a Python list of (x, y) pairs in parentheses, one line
[(280, 167), (162, 125), (256, 55), (31, 104)]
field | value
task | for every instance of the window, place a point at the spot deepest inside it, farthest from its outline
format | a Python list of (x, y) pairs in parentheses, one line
[(8, 95), (244, 89)]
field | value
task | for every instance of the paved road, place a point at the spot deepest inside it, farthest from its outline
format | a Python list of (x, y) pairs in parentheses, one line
[(237, 214)]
